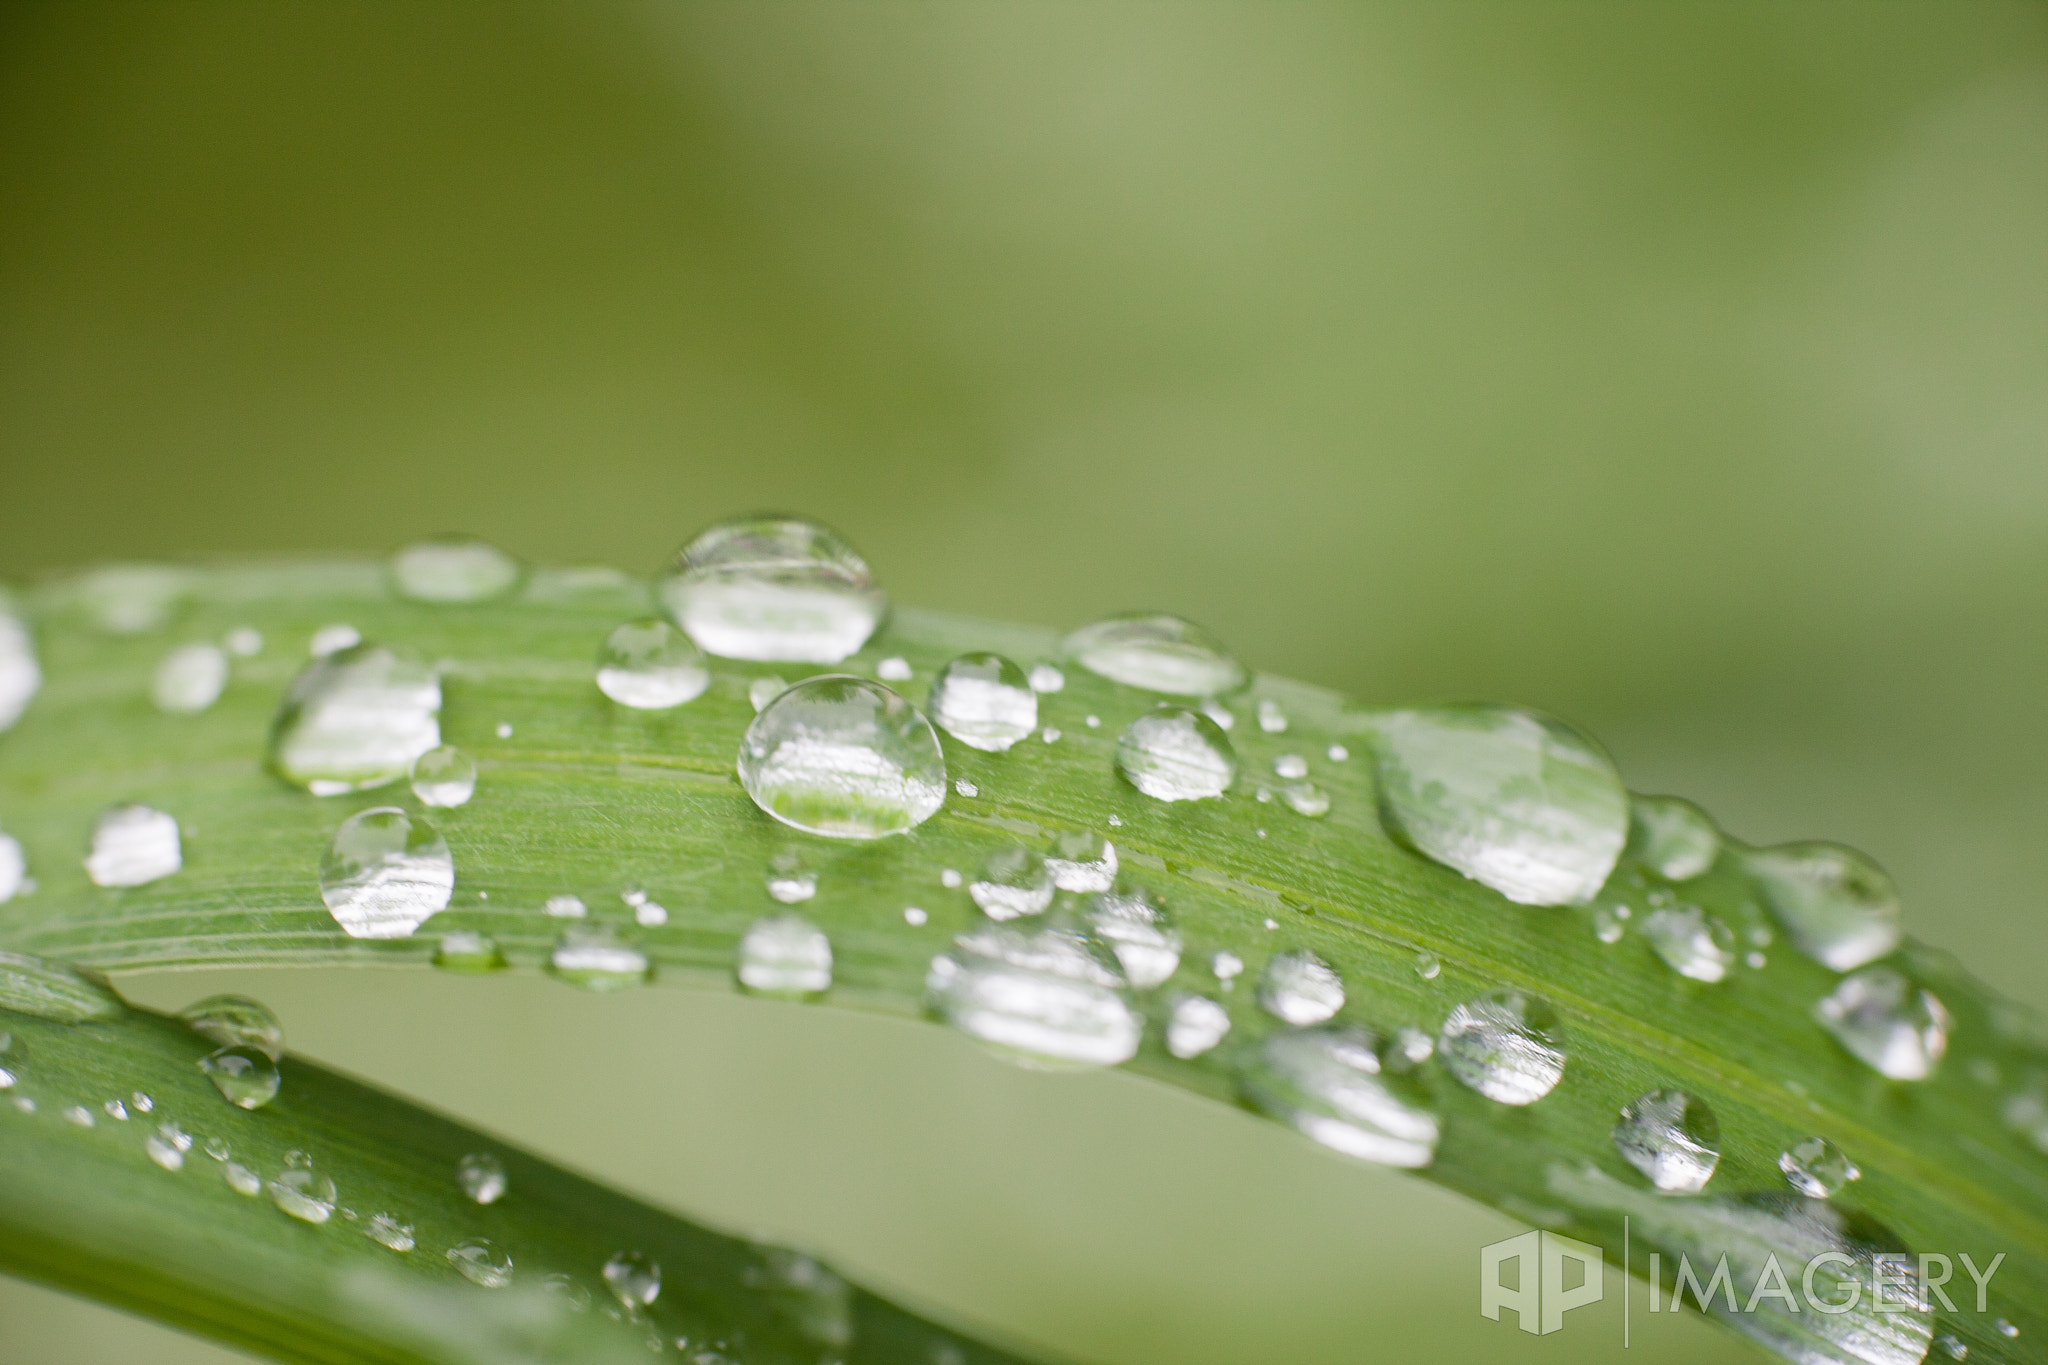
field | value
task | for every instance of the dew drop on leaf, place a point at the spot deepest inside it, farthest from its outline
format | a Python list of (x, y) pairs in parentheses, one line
[(1896, 1028), (1672, 1138), (236, 1020), (1300, 988), (386, 873), (13, 868), (444, 777), (247, 1077), (1043, 998), (133, 846), (1428, 965), (332, 639), (304, 1194), (1326, 1084), (356, 719), (482, 1177), (1174, 754), (1290, 766), (453, 569), (651, 666), (1839, 907), (1157, 653), (164, 1152), (633, 1279), (189, 679), (387, 1231), (1196, 1026), (1046, 678), (984, 701), (594, 959), (1672, 837), (1274, 722), (1135, 925), (790, 879), (785, 955), (1817, 1168), (1691, 942), (481, 1263), (20, 675), (1014, 882), (241, 1179), (1306, 798), (1082, 861), (1504, 1045), (773, 589), (840, 756)]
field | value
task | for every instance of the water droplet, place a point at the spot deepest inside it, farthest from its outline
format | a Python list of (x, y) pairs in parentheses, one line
[(386, 873), (1428, 965), (1272, 719), (1225, 718), (355, 719), (241, 1179), (1157, 653), (1135, 925), (844, 757), (481, 1263), (1839, 907), (444, 777), (1409, 1049), (2004, 1328), (1040, 997), (1882, 1018), (651, 666), (763, 690), (247, 1077), (566, 906), (785, 955), (143, 1103), (893, 669), (949, 878), (773, 589), (1290, 765), (1671, 1137), (1306, 798), (236, 1021), (790, 880), (80, 1115), (51, 990), (1516, 801), (244, 642), (482, 1177), (594, 959), (1338, 753), (504, 730), (332, 639), (218, 1149), (984, 701), (1300, 988), (13, 868), (806, 1294), (465, 950), (133, 846), (116, 1110), (650, 915), (453, 569), (305, 1195), (129, 599), (20, 675), (1691, 942), (1198, 1025), (1672, 837), (1326, 1084), (1503, 1045), (1044, 678), (189, 679), (1173, 754), (1050, 734), (1756, 961), (633, 1279), (387, 1231), (1817, 1168), (914, 917), (1014, 882), (1609, 921), (1226, 966), (1954, 1348), (167, 1147), (1082, 861), (966, 788)]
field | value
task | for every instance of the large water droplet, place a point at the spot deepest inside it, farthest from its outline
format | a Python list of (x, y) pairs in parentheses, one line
[(1135, 925), (1082, 861), (594, 959), (1503, 1045), (1013, 883), (1197, 1025), (20, 675), (356, 719), (1672, 837), (773, 589), (844, 757), (1816, 1167), (189, 679), (453, 569), (466, 950), (482, 1177), (481, 1263), (633, 1279), (444, 777), (1691, 942), (1839, 907), (1040, 997), (1157, 653), (985, 701), (1300, 988), (51, 990), (1326, 1083), (1173, 754), (304, 1195), (386, 873), (247, 1077), (236, 1020), (1516, 801), (651, 666), (133, 846), (1881, 1017), (1671, 1137), (787, 955)]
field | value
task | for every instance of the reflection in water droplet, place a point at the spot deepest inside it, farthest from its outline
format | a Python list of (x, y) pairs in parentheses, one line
[(1014, 882), (1516, 801), (651, 666), (189, 679), (355, 719), (482, 1177), (763, 690), (1135, 925), (481, 1263), (453, 569), (386, 873), (790, 880), (633, 1279), (1300, 988), (444, 777), (1173, 754), (1691, 942), (1198, 1025), (241, 1179), (773, 589), (1082, 861), (1671, 1137), (133, 846), (1040, 997), (1839, 907), (1882, 1018), (1816, 1167), (844, 757), (1157, 653), (1503, 1045), (1046, 678), (236, 1020), (594, 959), (304, 1195), (984, 701), (1672, 837), (20, 675), (389, 1232), (785, 955), (1326, 1084), (246, 1077)]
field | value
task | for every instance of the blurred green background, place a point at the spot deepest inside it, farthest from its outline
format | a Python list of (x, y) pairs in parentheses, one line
[(1681, 369)]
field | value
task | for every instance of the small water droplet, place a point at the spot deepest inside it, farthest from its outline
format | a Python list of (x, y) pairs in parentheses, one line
[(1226, 967), (355, 719), (790, 879), (1503, 1045), (594, 958), (1882, 1018), (1135, 925), (466, 950), (1157, 653), (785, 955), (1300, 988), (763, 690), (24, 1104), (773, 589), (453, 569), (965, 787), (13, 867), (1041, 997), (53, 990), (633, 1279), (444, 777), (1671, 1137), (1014, 882), (1840, 908), (1756, 961), (2004, 1328), (80, 1115), (1046, 678), (189, 679), (984, 701), (651, 666), (914, 917), (482, 1177), (1082, 861), (1691, 942), (298, 1159), (1338, 753), (218, 1149), (244, 642), (504, 730), (20, 675), (236, 1021), (650, 914), (167, 1147), (1817, 1168), (1672, 837), (387, 1231), (1173, 754), (1326, 1084), (1290, 765), (386, 873), (129, 599), (1428, 965), (1198, 1024), (333, 639), (247, 1077), (1272, 719), (481, 1263), (566, 906), (844, 757), (241, 1179), (1050, 734), (1225, 718), (1513, 800), (1609, 921), (304, 1194), (1954, 1348), (116, 1110), (1409, 1049), (141, 1102), (1306, 798), (133, 846), (893, 669)]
